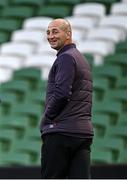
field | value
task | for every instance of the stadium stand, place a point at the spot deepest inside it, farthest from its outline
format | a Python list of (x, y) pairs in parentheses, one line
[(100, 29)]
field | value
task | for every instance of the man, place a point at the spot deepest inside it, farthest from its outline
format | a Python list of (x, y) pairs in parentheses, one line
[(66, 127)]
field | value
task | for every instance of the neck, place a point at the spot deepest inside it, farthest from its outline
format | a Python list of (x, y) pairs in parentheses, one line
[(67, 43)]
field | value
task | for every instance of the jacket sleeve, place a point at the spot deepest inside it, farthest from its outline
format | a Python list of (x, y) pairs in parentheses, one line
[(64, 78)]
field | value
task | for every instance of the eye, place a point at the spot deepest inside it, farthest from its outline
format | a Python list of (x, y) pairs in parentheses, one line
[(48, 32), (55, 31)]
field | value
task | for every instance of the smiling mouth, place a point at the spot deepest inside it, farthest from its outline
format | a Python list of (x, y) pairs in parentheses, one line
[(53, 42)]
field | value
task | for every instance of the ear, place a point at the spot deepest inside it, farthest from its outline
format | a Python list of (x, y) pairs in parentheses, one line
[(69, 34)]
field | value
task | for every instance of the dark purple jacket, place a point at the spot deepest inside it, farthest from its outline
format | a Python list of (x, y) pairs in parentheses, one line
[(69, 95)]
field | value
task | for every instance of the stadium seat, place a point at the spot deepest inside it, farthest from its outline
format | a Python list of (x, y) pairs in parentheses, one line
[(90, 58), (37, 23), (42, 85), (16, 87), (37, 97), (5, 75), (100, 123), (40, 61), (106, 34), (30, 75), (121, 83), (111, 108), (30, 147), (124, 1), (121, 47), (10, 62), (9, 24), (84, 24), (18, 12), (123, 157), (27, 36), (44, 48), (32, 111), (119, 95), (118, 59), (54, 11), (122, 119), (118, 22), (3, 4), (106, 3), (119, 9), (100, 86), (4, 37), (113, 145), (7, 66), (98, 48), (118, 131), (16, 159), (21, 50), (33, 133), (8, 101), (101, 157), (16, 123), (7, 136), (44, 62), (111, 72), (94, 10)]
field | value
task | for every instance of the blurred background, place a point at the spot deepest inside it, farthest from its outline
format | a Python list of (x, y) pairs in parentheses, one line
[(100, 33)]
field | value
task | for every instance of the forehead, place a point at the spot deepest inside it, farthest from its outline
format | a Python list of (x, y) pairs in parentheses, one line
[(54, 25)]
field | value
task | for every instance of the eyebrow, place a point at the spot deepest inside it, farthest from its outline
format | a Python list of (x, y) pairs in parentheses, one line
[(54, 29)]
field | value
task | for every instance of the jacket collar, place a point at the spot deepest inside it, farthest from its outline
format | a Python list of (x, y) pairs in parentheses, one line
[(66, 47)]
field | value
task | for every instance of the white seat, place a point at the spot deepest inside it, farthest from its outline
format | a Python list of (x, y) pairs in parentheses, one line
[(119, 9), (78, 35), (5, 74), (40, 60), (44, 48), (43, 62), (37, 23), (81, 26), (106, 34), (28, 36), (119, 22), (16, 49), (99, 49), (93, 10), (124, 1), (11, 62), (81, 23)]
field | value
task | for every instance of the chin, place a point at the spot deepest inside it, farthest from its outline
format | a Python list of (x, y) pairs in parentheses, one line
[(55, 47)]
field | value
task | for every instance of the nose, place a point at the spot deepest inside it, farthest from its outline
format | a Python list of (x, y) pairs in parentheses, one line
[(50, 36)]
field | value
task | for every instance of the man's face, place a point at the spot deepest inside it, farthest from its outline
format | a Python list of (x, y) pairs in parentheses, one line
[(57, 36)]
